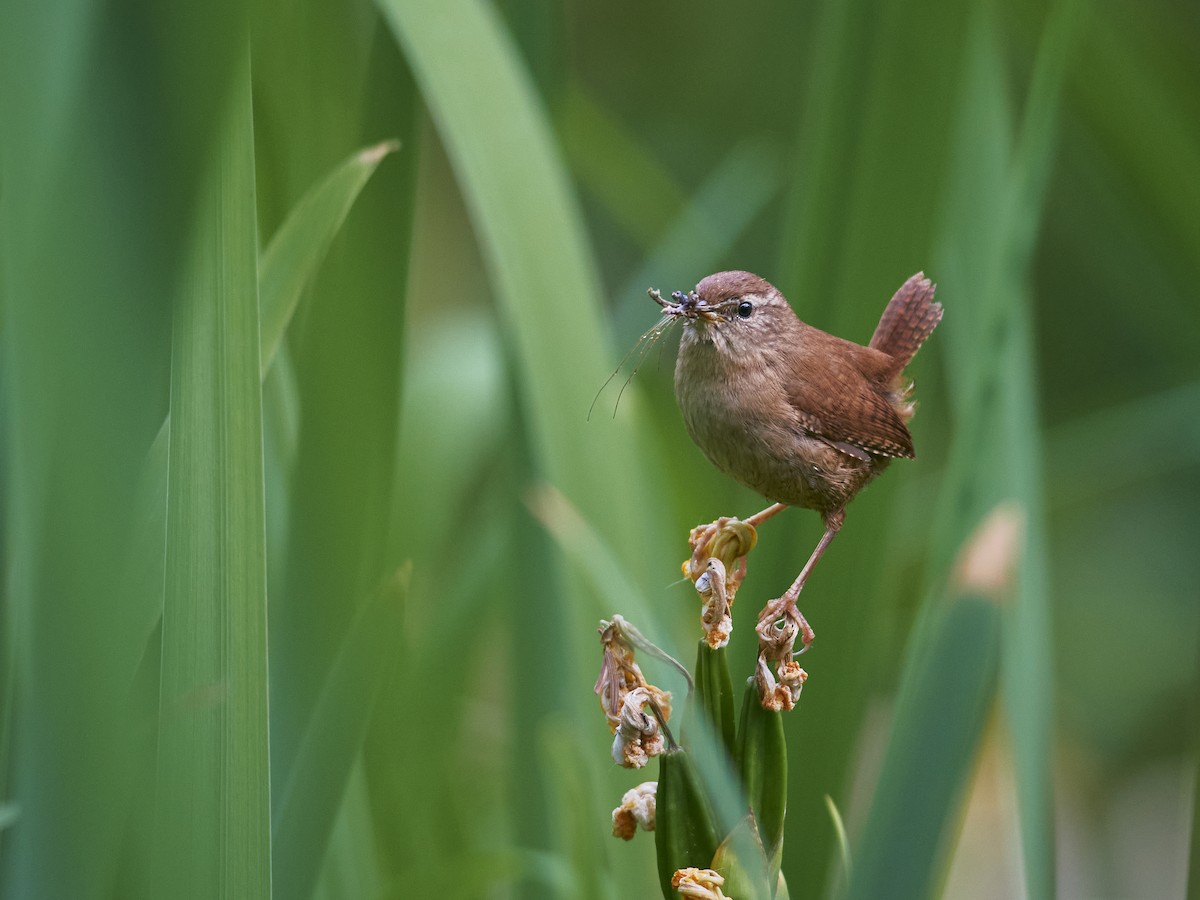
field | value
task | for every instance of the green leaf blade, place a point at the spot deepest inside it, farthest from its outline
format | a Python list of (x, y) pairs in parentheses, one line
[(213, 811), (938, 724), (294, 254), (532, 236), (307, 806)]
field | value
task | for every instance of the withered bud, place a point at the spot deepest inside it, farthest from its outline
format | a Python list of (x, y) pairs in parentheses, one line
[(619, 674), (718, 623), (703, 884), (637, 808), (638, 735), (781, 693), (728, 540)]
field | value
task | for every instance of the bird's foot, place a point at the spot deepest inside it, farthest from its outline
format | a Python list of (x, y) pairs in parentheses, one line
[(727, 539), (779, 625), (780, 678)]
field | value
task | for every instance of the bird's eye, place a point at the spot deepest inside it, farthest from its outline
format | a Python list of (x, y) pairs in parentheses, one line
[(745, 308)]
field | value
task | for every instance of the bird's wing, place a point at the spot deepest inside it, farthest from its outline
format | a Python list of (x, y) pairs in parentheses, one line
[(849, 401)]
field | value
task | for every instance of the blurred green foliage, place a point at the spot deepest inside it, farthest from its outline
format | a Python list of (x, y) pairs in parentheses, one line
[(430, 645)]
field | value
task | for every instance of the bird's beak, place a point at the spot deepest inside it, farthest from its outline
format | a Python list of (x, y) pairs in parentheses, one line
[(687, 306)]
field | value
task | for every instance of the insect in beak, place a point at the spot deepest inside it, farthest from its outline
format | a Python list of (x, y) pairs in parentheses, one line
[(688, 305)]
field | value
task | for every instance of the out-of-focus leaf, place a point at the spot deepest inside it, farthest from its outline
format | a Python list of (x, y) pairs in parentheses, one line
[(103, 143), (947, 688), (352, 866), (516, 189), (929, 756), (305, 809), (299, 246), (991, 349), (289, 263), (529, 229), (637, 191), (1159, 435)]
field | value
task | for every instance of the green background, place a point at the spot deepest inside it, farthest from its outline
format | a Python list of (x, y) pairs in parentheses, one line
[(393, 558)]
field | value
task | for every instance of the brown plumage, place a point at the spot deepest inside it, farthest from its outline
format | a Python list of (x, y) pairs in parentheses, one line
[(803, 417)]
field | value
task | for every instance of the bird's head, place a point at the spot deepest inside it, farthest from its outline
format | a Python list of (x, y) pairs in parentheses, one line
[(735, 312)]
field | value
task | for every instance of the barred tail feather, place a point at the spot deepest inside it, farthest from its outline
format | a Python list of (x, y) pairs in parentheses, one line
[(909, 319)]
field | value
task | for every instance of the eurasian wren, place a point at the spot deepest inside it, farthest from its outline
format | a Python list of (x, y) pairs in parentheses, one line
[(802, 417)]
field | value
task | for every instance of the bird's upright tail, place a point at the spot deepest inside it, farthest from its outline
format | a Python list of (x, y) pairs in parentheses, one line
[(909, 319)]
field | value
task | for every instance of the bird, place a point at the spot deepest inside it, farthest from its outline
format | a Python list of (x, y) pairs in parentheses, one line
[(801, 416)]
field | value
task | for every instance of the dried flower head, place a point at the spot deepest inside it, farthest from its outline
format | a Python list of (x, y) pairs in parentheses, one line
[(704, 884), (638, 736), (619, 674), (718, 623), (637, 808), (779, 693), (717, 567), (727, 539)]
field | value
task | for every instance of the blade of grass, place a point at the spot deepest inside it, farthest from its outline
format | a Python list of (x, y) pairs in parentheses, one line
[(1193, 878), (352, 865), (996, 398), (307, 807), (871, 150), (862, 216), (1160, 435), (104, 132), (287, 266), (826, 140), (947, 689), (594, 558), (843, 842), (529, 228), (465, 806), (503, 153), (531, 232), (347, 350), (299, 246), (640, 194), (213, 809)]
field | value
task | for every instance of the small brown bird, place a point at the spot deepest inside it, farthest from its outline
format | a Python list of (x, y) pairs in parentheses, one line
[(802, 417)]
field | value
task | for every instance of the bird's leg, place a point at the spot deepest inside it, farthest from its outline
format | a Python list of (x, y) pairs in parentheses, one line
[(833, 524), (731, 547), (779, 624), (702, 534)]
